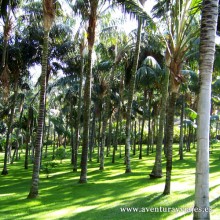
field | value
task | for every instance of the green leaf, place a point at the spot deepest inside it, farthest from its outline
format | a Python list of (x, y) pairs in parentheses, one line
[(191, 113)]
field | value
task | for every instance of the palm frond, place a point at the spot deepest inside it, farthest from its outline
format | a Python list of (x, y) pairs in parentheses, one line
[(62, 82), (136, 10), (151, 62)]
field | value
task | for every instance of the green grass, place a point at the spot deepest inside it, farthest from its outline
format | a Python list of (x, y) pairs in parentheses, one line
[(61, 197)]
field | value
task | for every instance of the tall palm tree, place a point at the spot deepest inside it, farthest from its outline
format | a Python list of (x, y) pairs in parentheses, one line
[(207, 51), (182, 32), (93, 4), (157, 168), (77, 129), (48, 18), (89, 10), (130, 96)]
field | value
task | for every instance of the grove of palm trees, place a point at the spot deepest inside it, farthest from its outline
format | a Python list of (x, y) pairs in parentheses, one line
[(109, 109)]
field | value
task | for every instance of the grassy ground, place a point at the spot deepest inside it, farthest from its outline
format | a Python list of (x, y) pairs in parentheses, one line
[(107, 192)]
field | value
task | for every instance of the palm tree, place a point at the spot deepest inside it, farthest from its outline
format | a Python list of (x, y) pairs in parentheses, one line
[(130, 96), (18, 66), (148, 75), (10, 123), (87, 89), (48, 18), (82, 47), (207, 51), (89, 10), (157, 169), (183, 30)]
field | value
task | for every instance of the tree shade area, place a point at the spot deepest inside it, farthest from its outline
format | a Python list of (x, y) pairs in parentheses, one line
[(107, 193), (109, 110)]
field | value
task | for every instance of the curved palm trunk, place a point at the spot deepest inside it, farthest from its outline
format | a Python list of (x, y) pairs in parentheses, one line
[(207, 51), (130, 99), (87, 90), (157, 169)]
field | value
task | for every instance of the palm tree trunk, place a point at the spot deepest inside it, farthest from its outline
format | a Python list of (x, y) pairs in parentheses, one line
[(181, 128), (48, 18), (86, 118), (7, 29), (130, 99), (54, 143), (109, 136), (149, 124), (77, 129), (120, 140), (157, 169), (99, 136), (169, 156), (207, 51), (38, 143), (87, 90), (10, 129), (103, 136), (65, 134), (72, 134), (153, 135), (92, 136), (115, 144), (28, 131), (142, 134), (135, 137)]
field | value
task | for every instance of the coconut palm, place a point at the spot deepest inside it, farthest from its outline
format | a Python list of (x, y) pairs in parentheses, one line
[(207, 51), (48, 19)]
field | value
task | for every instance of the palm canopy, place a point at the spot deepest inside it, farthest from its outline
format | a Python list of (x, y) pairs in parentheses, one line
[(181, 19), (149, 73)]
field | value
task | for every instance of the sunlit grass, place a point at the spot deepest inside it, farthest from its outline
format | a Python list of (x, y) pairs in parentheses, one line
[(62, 197)]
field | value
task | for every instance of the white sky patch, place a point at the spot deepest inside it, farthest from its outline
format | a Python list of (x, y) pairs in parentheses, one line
[(65, 7), (131, 23), (35, 73), (217, 40)]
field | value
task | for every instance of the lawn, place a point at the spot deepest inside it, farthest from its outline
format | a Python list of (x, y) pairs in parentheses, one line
[(107, 194)]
